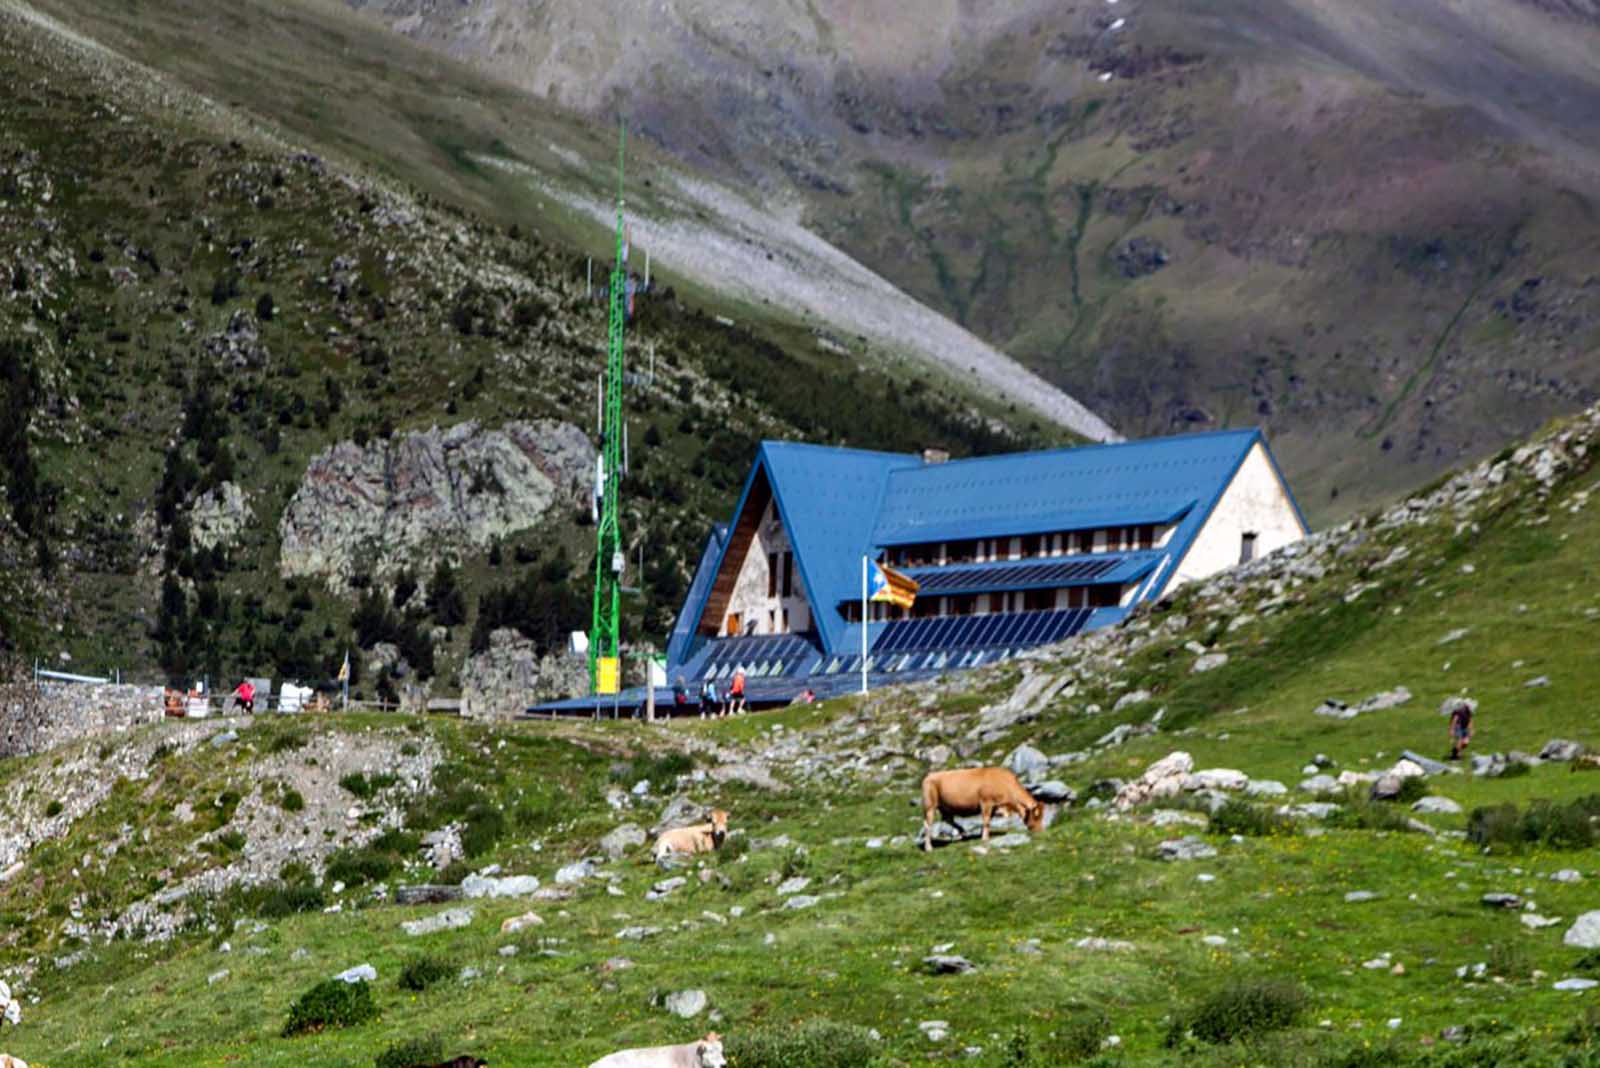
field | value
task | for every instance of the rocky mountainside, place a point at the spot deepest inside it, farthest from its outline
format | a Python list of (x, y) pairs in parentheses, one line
[(1364, 225), (265, 403)]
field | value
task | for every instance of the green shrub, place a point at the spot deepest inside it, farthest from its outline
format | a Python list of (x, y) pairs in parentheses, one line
[(1547, 823), (52, 809), (422, 972), (395, 840), (358, 865), (1079, 1037), (1360, 813), (411, 1053), (331, 1003), (1516, 770), (1412, 788), (1242, 1009), (286, 741), (455, 872), (1510, 959), (485, 824), (286, 899), (817, 1044), (366, 787), (1255, 821), (1589, 963), (292, 800)]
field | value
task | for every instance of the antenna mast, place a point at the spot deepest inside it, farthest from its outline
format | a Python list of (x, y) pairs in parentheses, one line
[(605, 674)]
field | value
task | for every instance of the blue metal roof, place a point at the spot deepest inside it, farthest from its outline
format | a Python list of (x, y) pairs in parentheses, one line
[(840, 504), (1122, 484)]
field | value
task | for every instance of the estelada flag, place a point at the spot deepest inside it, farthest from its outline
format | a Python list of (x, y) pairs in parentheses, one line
[(887, 584), (344, 669)]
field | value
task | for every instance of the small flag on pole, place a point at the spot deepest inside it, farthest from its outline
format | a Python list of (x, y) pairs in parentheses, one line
[(344, 669), (884, 583)]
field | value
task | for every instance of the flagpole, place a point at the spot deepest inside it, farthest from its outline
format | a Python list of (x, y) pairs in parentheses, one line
[(346, 682), (863, 624)]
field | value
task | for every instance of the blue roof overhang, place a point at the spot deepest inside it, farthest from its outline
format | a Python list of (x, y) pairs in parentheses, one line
[(1051, 573), (1046, 521)]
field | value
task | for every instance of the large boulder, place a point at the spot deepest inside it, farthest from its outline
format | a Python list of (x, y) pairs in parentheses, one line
[(504, 679), (1216, 779), (1027, 762), (620, 841), (1164, 778), (414, 499), (1584, 932), (1560, 750)]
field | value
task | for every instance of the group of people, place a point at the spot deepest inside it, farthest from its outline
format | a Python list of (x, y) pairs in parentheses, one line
[(712, 703)]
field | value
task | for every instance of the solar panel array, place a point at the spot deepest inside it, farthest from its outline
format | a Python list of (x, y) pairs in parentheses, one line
[(761, 655), (1002, 629), (1017, 575)]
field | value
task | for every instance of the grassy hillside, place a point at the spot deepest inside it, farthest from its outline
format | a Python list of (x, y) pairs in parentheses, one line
[(191, 300), (1504, 554)]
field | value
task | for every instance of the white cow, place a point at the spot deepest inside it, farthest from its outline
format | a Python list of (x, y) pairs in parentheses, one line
[(706, 1053)]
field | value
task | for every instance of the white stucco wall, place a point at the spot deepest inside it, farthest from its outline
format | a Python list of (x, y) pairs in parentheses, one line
[(750, 598), (1255, 501)]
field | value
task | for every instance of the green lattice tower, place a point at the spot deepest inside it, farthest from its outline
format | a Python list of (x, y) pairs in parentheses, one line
[(608, 558)]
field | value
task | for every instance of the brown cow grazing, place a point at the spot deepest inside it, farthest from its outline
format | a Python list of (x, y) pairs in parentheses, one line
[(700, 838), (706, 1053), (973, 792)]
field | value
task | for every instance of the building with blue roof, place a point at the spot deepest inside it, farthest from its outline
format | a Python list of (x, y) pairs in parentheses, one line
[(1009, 552)]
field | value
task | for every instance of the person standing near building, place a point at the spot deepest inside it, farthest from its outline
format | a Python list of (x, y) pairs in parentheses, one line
[(708, 699), (246, 693), (736, 691), (1460, 728)]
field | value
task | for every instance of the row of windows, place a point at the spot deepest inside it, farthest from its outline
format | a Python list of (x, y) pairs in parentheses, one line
[(1025, 547), (980, 604)]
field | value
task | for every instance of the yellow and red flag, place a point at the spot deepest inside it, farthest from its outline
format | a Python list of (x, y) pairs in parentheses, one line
[(886, 584)]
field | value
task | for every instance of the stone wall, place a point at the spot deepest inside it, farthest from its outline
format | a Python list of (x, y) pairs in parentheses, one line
[(33, 720)]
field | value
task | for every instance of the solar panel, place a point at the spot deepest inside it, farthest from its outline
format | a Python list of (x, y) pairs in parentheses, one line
[(1016, 576)]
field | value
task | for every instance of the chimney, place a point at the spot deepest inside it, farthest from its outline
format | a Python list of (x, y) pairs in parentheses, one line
[(935, 456)]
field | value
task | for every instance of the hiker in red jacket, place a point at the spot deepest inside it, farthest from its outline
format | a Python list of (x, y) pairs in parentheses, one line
[(246, 693), (736, 691)]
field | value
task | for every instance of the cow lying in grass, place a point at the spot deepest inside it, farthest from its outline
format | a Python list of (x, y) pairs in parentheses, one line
[(700, 838), (976, 792), (706, 1053)]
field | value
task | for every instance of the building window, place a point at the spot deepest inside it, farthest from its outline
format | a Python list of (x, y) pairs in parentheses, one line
[(1247, 547), (1107, 596), (964, 605), (1038, 600), (1085, 540), (772, 574), (788, 574), (1147, 536)]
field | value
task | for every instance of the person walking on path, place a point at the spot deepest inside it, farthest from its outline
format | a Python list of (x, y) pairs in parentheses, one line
[(736, 691), (708, 699), (1460, 728), (680, 696)]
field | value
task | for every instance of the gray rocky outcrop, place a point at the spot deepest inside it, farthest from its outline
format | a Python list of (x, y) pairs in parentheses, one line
[(503, 680), (620, 841), (418, 498), (1164, 778), (219, 515)]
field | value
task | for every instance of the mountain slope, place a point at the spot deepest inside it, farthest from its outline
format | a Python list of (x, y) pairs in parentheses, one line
[(339, 82), (820, 908), (199, 320), (1364, 225)]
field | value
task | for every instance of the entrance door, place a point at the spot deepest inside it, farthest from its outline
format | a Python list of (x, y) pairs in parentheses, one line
[(732, 629)]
